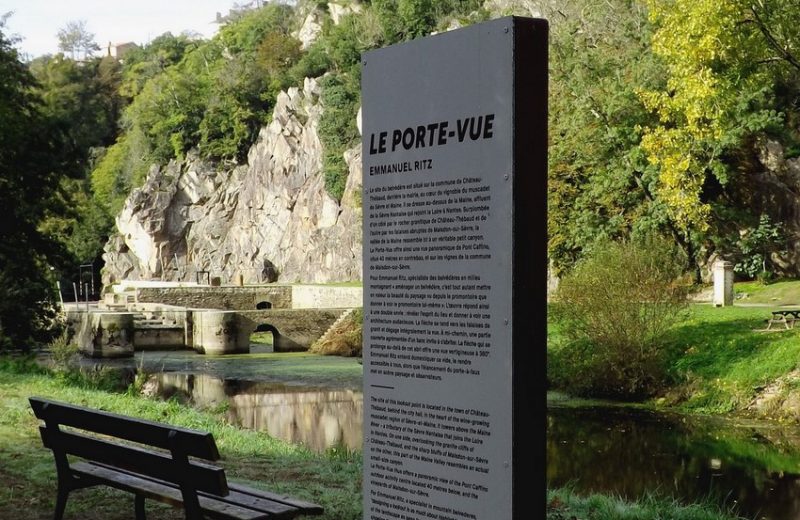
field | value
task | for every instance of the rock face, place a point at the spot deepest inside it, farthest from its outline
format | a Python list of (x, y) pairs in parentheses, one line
[(776, 186), (268, 220)]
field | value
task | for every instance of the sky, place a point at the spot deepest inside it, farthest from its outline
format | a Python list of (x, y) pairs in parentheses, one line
[(139, 21)]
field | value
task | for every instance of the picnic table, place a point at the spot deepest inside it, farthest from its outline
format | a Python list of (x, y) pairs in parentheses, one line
[(786, 317)]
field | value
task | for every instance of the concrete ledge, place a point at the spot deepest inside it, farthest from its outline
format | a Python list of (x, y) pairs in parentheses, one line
[(326, 296), (105, 334), (159, 338)]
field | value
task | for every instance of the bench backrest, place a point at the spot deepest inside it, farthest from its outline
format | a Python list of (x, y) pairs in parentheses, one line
[(174, 466)]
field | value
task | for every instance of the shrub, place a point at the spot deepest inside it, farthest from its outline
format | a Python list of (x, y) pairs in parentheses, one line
[(64, 353), (337, 130), (612, 310), (757, 245)]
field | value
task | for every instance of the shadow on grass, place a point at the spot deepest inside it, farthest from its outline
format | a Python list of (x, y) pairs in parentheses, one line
[(711, 347)]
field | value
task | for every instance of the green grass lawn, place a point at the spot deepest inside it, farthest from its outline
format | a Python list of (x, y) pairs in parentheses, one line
[(27, 471), (785, 292), (720, 358)]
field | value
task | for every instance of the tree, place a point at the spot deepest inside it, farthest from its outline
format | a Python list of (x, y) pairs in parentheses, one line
[(724, 59), (31, 159), (81, 96), (144, 63), (600, 183), (74, 38), (82, 99)]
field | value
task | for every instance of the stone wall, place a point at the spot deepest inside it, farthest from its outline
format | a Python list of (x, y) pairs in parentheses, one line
[(297, 329), (326, 296), (228, 332), (102, 334), (225, 298), (248, 298)]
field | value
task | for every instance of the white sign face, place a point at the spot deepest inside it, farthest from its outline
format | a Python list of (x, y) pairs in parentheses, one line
[(438, 159)]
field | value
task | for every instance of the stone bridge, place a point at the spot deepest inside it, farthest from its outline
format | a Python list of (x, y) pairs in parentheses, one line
[(210, 331), (142, 315), (228, 332)]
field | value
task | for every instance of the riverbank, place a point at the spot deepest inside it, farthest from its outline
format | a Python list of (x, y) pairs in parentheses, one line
[(721, 360), (331, 479), (564, 504)]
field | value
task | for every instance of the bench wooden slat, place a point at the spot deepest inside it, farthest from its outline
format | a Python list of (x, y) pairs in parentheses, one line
[(165, 493), (308, 508), (193, 443), (200, 476), (276, 506)]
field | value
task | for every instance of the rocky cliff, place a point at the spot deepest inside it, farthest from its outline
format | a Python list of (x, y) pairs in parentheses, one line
[(268, 220)]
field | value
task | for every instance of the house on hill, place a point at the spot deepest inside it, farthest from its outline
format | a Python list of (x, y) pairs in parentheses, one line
[(118, 50)]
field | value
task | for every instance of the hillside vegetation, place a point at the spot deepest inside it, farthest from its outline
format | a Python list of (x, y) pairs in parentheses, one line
[(670, 117)]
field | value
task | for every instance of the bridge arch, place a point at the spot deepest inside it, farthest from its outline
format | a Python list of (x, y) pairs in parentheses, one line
[(264, 335)]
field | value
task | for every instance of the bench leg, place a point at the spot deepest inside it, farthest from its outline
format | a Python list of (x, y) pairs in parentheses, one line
[(138, 504), (61, 503)]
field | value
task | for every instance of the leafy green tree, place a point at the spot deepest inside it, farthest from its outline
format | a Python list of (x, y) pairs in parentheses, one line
[(144, 63), (74, 38), (168, 111), (337, 130), (80, 96), (31, 157), (217, 95), (724, 58), (384, 22), (601, 185), (83, 100), (275, 56), (408, 19)]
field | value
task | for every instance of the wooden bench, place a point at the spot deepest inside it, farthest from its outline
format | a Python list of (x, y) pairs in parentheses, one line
[(166, 473)]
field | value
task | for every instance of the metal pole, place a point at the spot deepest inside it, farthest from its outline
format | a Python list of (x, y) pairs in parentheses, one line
[(86, 292), (60, 296), (75, 292)]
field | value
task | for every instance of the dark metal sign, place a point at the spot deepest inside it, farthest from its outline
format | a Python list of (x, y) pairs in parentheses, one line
[(454, 159)]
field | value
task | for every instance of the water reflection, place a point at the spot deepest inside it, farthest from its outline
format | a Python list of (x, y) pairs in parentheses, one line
[(319, 419), (753, 467)]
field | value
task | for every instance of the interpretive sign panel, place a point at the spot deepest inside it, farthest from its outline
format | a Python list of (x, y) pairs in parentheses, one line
[(454, 166)]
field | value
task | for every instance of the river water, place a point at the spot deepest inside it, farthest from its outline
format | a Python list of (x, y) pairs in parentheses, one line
[(304, 399), (752, 467)]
